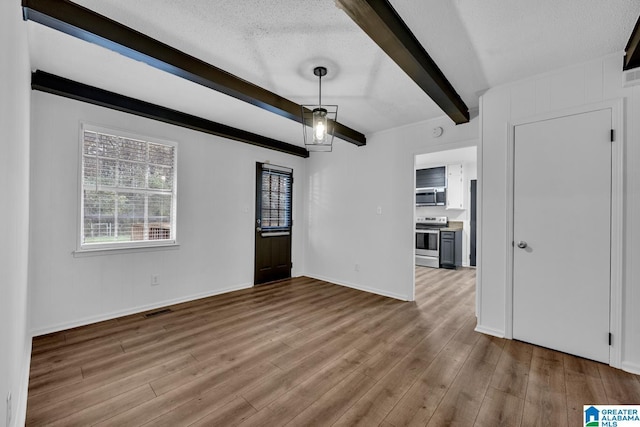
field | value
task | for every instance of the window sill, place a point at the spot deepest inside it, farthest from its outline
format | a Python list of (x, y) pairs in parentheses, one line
[(125, 250)]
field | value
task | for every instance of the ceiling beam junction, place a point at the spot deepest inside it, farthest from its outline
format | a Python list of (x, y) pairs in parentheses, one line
[(85, 24), (56, 85), (632, 50), (382, 23)]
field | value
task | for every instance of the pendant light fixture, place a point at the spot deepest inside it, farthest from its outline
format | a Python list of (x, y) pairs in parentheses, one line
[(319, 119)]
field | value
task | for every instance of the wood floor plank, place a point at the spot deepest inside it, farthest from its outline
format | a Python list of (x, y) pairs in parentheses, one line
[(488, 348), (215, 318), (304, 352), (334, 403), (187, 404), (500, 409), (374, 406), (265, 332), (196, 344), (224, 322), (117, 331), (622, 388), (55, 379), (512, 372), (461, 404), (230, 415), (417, 406), (335, 309), (103, 326), (374, 341), (107, 408), (344, 335), (47, 341), (75, 356), (341, 316), (546, 399), (256, 356), (383, 361), (288, 405), (291, 376), (76, 397), (584, 386)]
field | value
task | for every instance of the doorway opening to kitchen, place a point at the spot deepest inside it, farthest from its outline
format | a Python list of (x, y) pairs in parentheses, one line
[(444, 215)]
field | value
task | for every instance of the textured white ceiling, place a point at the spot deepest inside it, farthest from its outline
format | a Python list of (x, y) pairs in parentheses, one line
[(514, 39), (276, 44)]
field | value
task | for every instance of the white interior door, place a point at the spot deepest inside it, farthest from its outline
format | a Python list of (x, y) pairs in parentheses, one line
[(562, 213)]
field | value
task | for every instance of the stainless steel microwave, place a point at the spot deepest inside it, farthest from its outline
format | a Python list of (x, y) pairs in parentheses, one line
[(431, 196)]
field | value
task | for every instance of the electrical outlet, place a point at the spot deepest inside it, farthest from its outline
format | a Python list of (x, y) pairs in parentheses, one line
[(357, 267), (379, 210), (155, 279), (9, 406)]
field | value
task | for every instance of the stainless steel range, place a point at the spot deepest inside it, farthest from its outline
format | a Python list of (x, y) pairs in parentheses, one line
[(428, 240)]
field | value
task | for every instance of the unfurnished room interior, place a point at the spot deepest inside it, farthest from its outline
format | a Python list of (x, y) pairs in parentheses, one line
[(320, 213)]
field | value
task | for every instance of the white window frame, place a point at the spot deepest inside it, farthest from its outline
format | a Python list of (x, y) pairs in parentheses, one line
[(126, 245)]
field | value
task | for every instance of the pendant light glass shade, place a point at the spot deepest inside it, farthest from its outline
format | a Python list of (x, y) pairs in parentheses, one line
[(318, 120), (319, 126)]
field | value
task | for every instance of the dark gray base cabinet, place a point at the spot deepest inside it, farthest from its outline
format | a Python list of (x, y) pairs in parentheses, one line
[(451, 249)]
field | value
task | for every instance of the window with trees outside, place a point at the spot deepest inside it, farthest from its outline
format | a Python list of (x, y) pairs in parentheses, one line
[(128, 195)]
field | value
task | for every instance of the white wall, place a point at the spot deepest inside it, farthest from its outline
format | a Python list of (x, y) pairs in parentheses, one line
[(344, 190), (15, 342), (216, 188), (579, 85)]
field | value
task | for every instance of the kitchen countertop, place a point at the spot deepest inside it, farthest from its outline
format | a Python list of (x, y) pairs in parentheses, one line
[(453, 226)]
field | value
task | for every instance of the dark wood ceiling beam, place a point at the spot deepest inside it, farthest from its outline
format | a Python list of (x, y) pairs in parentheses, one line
[(85, 24), (632, 50), (56, 85), (385, 27)]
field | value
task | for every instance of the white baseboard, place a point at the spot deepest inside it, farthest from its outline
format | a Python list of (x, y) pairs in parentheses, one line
[(361, 288), (489, 331), (631, 367), (20, 416), (133, 310)]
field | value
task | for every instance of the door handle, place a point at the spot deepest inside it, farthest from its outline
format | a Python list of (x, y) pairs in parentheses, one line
[(522, 244)]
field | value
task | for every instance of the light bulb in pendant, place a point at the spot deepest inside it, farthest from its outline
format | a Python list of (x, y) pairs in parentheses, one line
[(319, 125), (320, 130)]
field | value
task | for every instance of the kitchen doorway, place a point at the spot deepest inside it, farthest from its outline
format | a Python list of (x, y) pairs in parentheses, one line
[(451, 215)]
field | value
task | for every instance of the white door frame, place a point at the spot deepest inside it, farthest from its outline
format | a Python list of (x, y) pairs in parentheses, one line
[(617, 169)]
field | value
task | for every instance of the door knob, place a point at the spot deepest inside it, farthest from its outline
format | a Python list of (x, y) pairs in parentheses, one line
[(522, 244)]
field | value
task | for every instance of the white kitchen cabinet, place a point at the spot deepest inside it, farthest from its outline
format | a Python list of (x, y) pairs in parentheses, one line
[(455, 187)]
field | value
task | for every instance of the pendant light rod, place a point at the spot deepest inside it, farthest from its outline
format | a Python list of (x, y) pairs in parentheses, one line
[(320, 72)]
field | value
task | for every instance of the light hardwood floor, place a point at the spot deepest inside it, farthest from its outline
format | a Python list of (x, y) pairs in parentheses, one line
[(304, 352)]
